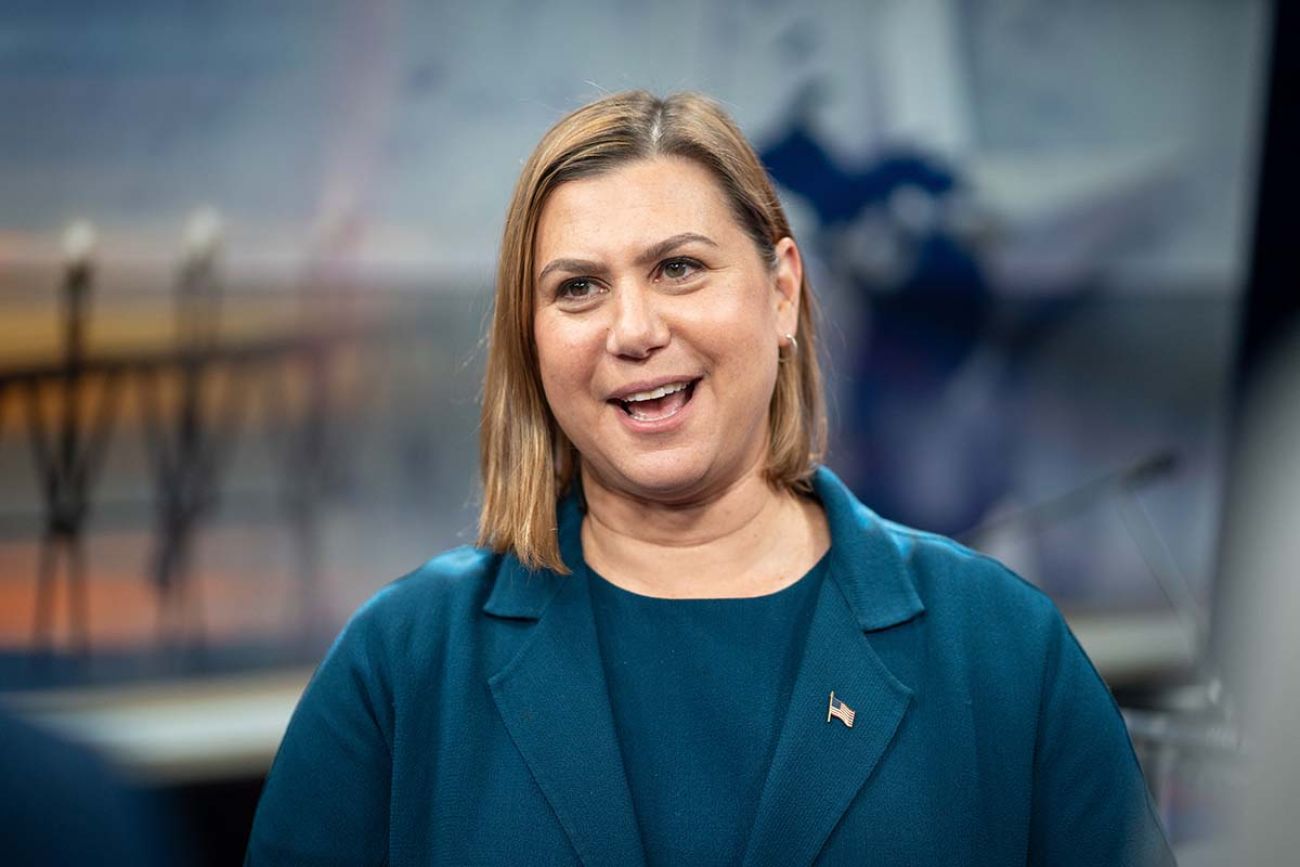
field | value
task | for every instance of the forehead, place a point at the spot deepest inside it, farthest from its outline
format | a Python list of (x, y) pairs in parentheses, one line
[(632, 206)]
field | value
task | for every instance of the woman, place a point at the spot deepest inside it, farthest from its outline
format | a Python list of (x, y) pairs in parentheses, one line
[(681, 640)]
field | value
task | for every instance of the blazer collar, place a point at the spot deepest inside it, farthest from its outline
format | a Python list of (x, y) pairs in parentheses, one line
[(554, 700), (523, 593), (819, 764), (865, 560)]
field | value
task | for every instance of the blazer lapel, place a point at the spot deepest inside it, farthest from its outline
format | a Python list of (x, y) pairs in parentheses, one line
[(555, 704), (818, 767)]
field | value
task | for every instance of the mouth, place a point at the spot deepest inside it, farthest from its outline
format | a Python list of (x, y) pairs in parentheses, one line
[(659, 403)]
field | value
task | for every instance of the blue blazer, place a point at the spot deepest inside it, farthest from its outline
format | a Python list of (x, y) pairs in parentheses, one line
[(462, 717)]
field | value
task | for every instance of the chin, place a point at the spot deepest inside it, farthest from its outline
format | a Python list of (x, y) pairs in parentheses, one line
[(660, 477), (666, 486)]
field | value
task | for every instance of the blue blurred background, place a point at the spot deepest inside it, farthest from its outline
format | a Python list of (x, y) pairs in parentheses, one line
[(246, 251)]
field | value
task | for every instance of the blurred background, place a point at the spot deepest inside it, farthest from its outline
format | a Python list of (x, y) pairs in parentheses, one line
[(246, 253)]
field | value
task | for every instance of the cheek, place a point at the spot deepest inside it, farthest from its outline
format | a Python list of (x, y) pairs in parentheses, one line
[(565, 360), (746, 365), (740, 330)]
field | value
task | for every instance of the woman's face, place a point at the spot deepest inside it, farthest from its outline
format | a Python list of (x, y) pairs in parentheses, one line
[(658, 329)]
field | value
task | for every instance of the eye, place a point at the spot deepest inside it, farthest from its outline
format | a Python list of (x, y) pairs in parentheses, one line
[(679, 268), (575, 290)]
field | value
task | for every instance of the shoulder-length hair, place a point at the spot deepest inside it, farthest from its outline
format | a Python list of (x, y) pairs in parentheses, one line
[(526, 460)]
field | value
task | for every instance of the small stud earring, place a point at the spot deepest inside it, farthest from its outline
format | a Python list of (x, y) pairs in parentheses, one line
[(794, 344)]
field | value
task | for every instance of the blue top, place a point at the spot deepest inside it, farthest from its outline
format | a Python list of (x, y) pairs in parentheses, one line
[(463, 717), (698, 688)]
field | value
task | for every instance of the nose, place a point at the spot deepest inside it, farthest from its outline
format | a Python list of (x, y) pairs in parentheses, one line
[(638, 328)]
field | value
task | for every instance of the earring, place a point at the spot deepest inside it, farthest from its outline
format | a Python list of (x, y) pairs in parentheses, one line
[(794, 344)]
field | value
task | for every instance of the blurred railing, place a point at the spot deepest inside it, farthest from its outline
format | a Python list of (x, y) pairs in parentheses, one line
[(194, 401)]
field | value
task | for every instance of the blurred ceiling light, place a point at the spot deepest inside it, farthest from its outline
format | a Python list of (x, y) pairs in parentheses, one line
[(79, 241), (203, 232)]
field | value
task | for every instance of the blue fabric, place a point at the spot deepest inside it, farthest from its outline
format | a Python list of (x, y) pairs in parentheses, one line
[(62, 804), (698, 688), (463, 716)]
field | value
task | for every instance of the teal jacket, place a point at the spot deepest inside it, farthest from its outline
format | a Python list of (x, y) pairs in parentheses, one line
[(462, 717)]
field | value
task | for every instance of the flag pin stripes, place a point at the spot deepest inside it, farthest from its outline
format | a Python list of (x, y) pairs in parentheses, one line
[(840, 711)]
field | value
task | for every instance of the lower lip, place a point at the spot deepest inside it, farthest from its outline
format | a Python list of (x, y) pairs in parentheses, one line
[(659, 425)]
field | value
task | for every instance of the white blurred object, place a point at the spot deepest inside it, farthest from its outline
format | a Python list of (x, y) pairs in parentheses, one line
[(203, 233), (924, 74), (79, 242), (1261, 553), (175, 733)]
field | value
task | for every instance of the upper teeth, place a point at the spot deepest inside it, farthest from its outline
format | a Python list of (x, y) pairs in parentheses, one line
[(654, 393)]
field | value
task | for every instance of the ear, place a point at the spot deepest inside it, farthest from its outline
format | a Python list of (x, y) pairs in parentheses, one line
[(787, 281)]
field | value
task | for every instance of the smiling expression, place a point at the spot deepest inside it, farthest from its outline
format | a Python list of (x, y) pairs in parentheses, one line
[(658, 328)]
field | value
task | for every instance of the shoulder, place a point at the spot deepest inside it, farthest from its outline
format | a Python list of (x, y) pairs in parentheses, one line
[(1004, 639), (894, 574), (446, 584), (418, 615), (976, 613), (947, 574)]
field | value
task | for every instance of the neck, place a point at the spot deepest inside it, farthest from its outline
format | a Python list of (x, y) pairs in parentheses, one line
[(747, 539)]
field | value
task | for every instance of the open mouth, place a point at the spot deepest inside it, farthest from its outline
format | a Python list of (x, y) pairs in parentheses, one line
[(659, 403)]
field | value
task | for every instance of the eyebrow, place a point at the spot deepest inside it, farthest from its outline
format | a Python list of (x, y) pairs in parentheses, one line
[(652, 254)]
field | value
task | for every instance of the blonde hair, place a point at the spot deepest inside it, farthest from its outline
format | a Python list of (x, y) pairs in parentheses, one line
[(526, 460)]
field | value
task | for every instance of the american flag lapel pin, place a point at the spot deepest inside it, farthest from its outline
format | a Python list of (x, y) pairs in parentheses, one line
[(840, 711)]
